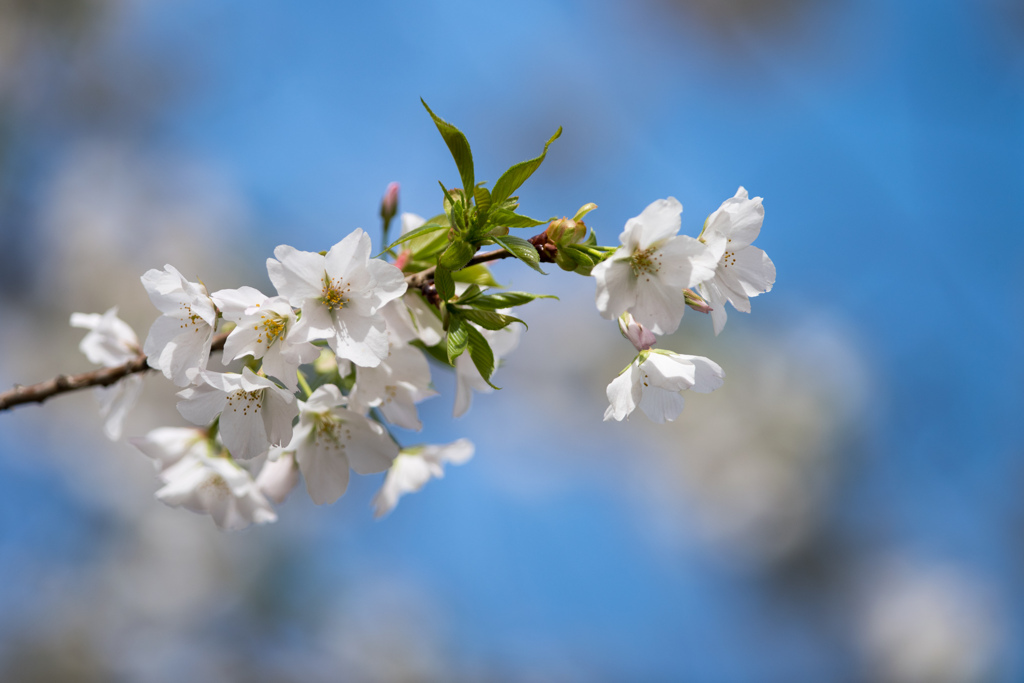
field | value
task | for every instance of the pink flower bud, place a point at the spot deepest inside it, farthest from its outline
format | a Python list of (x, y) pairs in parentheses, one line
[(641, 338), (389, 204)]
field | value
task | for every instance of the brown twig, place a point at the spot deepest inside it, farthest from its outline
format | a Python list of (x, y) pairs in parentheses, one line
[(62, 384)]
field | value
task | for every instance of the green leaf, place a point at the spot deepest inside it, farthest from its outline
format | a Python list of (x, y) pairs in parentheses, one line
[(522, 250), (511, 179), (480, 352), (444, 283), (456, 255), (458, 145), (478, 274), (489, 320), (458, 336), (511, 219), (483, 200), (507, 299), (413, 234), (471, 291)]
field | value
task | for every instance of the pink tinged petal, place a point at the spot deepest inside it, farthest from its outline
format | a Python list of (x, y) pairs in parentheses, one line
[(298, 276), (658, 308), (661, 405), (624, 393), (658, 222), (616, 286), (278, 477)]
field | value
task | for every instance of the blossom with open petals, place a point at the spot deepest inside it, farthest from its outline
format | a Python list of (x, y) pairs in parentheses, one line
[(648, 273), (656, 380), (111, 342), (339, 295), (255, 413), (330, 439), (395, 386), (414, 467), (743, 270), (178, 344), (264, 329)]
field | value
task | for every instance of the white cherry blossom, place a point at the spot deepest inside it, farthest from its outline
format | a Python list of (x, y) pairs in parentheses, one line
[(339, 295), (655, 381), (168, 445), (330, 439), (255, 413), (743, 270), (414, 467), (215, 485), (395, 386), (264, 329), (648, 273), (111, 342), (179, 341)]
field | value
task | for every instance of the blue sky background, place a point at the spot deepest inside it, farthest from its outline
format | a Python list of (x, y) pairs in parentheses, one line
[(887, 139)]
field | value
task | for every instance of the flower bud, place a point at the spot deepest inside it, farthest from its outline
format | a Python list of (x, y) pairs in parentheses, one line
[(694, 301), (389, 204), (566, 231), (641, 338)]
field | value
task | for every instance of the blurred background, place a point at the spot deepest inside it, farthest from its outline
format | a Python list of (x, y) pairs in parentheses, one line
[(846, 508)]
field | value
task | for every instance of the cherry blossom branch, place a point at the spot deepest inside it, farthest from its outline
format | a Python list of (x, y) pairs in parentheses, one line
[(103, 377), (62, 384)]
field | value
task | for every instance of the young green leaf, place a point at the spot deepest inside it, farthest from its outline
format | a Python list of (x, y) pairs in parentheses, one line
[(489, 320), (471, 292), (483, 200), (481, 354), (413, 234), (458, 145), (507, 299), (444, 283), (522, 250), (458, 336), (511, 179), (456, 255), (511, 219)]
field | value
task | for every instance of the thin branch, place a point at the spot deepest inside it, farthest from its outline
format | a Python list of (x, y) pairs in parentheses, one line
[(62, 384)]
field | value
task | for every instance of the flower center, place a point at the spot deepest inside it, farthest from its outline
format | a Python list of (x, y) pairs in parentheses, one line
[(273, 327), (332, 431), (246, 401), (728, 258), (645, 262), (333, 294), (191, 318)]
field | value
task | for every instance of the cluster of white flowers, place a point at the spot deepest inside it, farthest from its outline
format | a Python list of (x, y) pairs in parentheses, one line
[(339, 353), (647, 284)]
